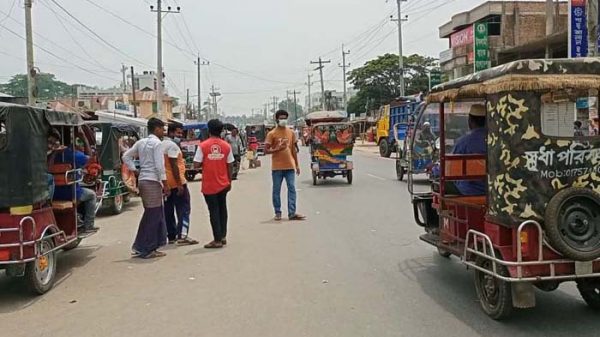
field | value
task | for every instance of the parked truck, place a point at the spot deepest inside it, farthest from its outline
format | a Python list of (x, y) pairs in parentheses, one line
[(399, 113)]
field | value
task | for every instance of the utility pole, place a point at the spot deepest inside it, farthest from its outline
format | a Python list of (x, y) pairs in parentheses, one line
[(275, 105), (31, 72), (309, 84), (593, 35), (187, 104), (133, 93), (266, 107), (214, 94), (159, 68), (287, 101), (344, 67), (124, 72), (296, 107), (200, 63), (320, 69), (400, 19)]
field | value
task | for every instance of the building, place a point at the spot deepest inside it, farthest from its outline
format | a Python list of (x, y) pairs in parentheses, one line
[(146, 103), (334, 98), (516, 30), (145, 80)]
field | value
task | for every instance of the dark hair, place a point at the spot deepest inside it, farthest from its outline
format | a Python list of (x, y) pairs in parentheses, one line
[(578, 124), (154, 123), (478, 121), (215, 127), (55, 134), (280, 113), (173, 126)]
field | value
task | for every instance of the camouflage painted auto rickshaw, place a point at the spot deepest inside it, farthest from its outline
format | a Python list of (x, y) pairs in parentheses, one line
[(111, 140), (33, 227), (537, 224)]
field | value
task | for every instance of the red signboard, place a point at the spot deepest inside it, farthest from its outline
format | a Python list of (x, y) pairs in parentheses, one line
[(462, 38), (470, 57)]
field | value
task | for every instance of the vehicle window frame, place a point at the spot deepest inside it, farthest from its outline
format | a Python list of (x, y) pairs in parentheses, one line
[(566, 138), (4, 134)]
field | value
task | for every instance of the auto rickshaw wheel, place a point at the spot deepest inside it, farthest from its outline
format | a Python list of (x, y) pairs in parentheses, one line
[(116, 204), (495, 295), (72, 245), (444, 253), (349, 177), (400, 171), (314, 176), (590, 291), (384, 148), (190, 176), (573, 223), (41, 273)]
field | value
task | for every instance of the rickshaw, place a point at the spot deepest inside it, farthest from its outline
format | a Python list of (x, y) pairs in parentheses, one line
[(331, 150), (538, 222), (113, 177), (194, 134), (260, 133), (33, 227)]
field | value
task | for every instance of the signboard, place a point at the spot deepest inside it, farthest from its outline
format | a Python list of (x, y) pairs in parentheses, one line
[(435, 78), (481, 47), (578, 32), (462, 38), (470, 57), (446, 55)]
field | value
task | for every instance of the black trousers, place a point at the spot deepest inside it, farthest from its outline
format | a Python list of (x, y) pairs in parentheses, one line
[(217, 207)]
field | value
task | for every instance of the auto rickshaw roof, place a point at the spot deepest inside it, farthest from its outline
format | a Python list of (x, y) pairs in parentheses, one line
[(325, 117), (332, 123), (523, 75), (52, 117), (195, 126), (120, 127)]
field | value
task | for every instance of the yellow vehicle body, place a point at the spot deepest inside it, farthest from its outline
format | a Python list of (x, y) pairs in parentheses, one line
[(383, 124)]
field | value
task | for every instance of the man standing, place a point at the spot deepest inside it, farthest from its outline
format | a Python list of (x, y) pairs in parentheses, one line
[(235, 141), (152, 177), (178, 199), (215, 157), (280, 143)]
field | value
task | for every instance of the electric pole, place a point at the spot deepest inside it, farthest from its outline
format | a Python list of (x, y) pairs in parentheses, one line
[(275, 100), (159, 68), (400, 19), (200, 63), (344, 67), (214, 94), (133, 93), (287, 101), (309, 84), (320, 69), (296, 107), (593, 31), (124, 72), (31, 72)]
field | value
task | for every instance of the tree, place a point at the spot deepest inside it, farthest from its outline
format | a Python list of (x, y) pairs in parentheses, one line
[(378, 80), (288, 105), (48, 87)]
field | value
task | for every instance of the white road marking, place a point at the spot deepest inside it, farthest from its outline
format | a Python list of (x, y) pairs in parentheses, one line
[(374, 176)]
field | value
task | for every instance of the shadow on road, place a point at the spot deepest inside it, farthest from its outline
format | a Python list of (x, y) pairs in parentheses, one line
[(328, 183), (14, 295), (451, 286)]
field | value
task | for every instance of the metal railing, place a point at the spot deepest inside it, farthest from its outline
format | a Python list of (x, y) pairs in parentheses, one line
[(481, 245)]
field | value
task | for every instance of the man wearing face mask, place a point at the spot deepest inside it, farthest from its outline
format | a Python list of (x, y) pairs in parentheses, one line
[(280, 144), (178, 198)]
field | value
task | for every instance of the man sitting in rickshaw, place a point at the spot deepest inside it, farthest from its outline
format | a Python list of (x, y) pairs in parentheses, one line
[(86, 198)]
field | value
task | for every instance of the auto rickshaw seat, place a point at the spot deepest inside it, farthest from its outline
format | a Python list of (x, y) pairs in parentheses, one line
[(478, 200), (467, 166), (59, 170), (59, 205)]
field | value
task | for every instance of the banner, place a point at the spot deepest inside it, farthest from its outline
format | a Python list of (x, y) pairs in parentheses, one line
[(481, 47), (578, 30), (462, 38)]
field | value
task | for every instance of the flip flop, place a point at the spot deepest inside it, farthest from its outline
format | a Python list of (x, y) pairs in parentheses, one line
[(154, 254), (187, 242)]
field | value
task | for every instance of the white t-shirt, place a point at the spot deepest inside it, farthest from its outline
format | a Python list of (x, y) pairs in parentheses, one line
[(171, 149)]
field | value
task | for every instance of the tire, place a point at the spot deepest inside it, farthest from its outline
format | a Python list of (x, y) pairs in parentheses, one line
[(314, 176), (444, 253), (495, 295), (116, 204), (400, 171), (590, 291), (40, 274), (384, 148), (190, 176), (349, 177), (72, 245), (127, 197), (572, 217)]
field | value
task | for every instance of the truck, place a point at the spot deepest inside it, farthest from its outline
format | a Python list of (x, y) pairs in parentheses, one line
[(398, 113)]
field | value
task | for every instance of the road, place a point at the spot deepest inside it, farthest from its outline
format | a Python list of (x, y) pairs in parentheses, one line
[(354, 268)]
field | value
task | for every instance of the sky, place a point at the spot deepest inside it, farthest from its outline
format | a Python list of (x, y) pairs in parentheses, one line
[(257, 49)]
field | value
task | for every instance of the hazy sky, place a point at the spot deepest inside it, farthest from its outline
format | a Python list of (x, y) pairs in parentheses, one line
[(258, 48)]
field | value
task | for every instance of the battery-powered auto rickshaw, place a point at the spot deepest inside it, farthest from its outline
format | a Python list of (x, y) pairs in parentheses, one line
[(111, 140), (537, 221), (331, 151), (33, 227), (194, 134)]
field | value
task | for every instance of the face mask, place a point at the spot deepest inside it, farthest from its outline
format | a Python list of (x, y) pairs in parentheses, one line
[(282, 122), (177, 140)]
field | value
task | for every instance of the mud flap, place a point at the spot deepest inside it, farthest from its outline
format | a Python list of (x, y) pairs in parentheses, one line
[(16, 270), (583, 268), (523, 295)]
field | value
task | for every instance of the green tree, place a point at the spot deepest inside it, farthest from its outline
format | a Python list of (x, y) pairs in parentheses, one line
[(288, 105), (378, 81), (47, 87)]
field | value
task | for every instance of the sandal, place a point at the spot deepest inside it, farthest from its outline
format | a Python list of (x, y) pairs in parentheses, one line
[(154, 254), (213, 245), (187, 242), (297, 217), (224, 241)]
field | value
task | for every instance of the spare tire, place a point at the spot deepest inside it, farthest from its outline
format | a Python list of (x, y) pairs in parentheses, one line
[(573, 223)]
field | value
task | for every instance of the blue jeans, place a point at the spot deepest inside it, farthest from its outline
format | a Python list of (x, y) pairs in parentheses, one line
[(178, 228), (290, 179), (88, 202)]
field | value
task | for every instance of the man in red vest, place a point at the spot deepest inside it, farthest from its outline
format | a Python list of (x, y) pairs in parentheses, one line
[(216, 158)]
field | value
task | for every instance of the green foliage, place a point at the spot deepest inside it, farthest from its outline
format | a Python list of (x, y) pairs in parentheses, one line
[(288, 105), (378, 81), (48, 87)]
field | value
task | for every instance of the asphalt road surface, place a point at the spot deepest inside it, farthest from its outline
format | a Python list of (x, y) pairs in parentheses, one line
[(355, 268)]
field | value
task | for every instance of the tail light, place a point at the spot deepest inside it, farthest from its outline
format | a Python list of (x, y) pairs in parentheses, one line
[(525, 243), (4, 255)]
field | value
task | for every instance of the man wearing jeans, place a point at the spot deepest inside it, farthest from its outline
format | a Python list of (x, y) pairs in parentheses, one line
[(280, 144)]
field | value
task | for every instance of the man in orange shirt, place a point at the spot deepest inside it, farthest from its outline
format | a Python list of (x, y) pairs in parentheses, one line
[(281, 145), (178, 199)]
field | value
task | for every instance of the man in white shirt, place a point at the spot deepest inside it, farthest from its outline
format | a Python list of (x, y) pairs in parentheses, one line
[(152, 177)]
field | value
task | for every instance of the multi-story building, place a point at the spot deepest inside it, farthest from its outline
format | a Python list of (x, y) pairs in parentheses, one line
[(516, 30), (145, 80)]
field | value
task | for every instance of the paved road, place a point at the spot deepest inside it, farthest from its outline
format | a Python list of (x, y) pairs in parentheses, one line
[(355, 268)]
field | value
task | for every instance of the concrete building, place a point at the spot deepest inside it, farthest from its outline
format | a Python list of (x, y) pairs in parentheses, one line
[(146, 103), (337, 99), (516, 29), (145, 80)]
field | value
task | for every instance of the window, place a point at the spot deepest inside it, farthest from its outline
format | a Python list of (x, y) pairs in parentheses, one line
[(154, 107), (3, 135), (567, 114), (456, 121)]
